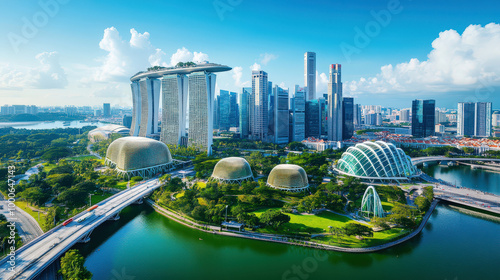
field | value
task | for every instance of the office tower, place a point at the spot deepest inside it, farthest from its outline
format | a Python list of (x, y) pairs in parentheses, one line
[(324, 115), (69, 110), (495, 119), (32, 109), (280, 115), (216, 112), (270, 113), (259, 114), (347, 117), (310, 74), (174, 103), (5, 110), (106, 109), (201, 99), (313, 118), (422, 120), (404, 115), (224, 110), (145, 98), (335, 103), (127, 121), (357, 115), (234, 119), (298, 114), (244, 112), (97, 113)]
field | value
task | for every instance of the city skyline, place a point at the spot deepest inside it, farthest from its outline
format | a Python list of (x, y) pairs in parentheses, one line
[(43, 68)]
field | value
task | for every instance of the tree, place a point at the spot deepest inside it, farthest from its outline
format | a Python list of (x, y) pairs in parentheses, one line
[(34, 195), (429, 193), (72, 266), (358, 229), (422, 203), (337, 231), (274, 218)]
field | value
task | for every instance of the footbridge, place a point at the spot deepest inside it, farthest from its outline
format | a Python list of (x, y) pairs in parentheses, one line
[(420, 160), (31, 259)]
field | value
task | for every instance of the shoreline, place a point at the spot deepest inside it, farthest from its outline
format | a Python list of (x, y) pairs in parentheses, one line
[(180, 219)]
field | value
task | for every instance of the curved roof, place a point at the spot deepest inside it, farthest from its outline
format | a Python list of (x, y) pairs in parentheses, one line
[(232, 168), (103, 132), (132, 153), (208, 67), (288, 176), (375, 160)]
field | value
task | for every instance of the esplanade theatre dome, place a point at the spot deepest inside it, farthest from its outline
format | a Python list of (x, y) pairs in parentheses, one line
[(232, 170), (138, 156), (288, 177), (376, 161)]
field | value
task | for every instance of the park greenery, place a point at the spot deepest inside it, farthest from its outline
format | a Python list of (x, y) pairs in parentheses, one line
[(5, 244), (72, 266), (39, 117)]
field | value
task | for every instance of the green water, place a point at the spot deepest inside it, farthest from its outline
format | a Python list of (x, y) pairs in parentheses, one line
[(145, 245)]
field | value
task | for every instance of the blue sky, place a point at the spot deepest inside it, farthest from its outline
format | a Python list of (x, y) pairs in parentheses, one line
[(62, 62)]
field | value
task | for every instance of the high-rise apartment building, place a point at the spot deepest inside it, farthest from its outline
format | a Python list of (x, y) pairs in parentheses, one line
[(244, 114), (474, 119), (335, 103), (259, 115), (423, 117), (310, 74), (347, 118)]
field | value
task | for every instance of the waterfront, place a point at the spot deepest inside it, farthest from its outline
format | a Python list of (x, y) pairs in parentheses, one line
[(49, 124), (464, 176), (144, 244)]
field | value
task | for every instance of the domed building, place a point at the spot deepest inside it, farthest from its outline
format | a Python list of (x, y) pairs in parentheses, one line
[(138, 156), (103, 132), (376, 161), (232, 170), (288, 177)]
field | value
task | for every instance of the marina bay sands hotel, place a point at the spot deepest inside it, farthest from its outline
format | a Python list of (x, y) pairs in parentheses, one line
[(196, 83)]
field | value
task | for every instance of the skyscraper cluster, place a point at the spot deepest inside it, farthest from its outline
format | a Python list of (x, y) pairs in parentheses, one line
[(474, 119)]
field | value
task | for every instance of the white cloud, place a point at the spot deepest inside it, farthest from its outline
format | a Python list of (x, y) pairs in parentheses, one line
[(237, 76), (184, 55), (321, 83), (457, 62), (48, 75), (266, 57), (255, 67), (199, 57)]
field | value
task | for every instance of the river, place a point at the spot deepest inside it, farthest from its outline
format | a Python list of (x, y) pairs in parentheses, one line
[(145, 245)]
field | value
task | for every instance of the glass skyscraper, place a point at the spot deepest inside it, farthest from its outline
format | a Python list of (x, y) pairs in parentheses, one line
[(259, 115), (474, 119), (223, 110), (310, 74), (348, 117), (244, 100), (299, 114), (335, 103), (423, 117), (201, 99)]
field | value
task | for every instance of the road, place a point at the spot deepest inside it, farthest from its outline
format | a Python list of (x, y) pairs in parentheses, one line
[(27, 227), (41, 252), (418, 160)]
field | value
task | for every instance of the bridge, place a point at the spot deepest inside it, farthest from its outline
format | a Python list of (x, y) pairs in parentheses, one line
[(32, 258), (420, 160)]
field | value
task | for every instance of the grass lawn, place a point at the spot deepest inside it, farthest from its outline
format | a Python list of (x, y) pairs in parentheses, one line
[(179, 195), (96, 198), (48, 166), (24, 205), (121, 185), (201, 185), (320, 222), (82, 157)]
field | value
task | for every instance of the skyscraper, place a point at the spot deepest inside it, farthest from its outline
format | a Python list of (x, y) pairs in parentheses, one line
[(106, 109), (145, 97), (347, 117), (259, 106), (280, 115), (234, 120), (335, 103), (223, 110), (201, 99), (174, 104), (423, 117), (244, 112), (357, 115), (299, 114), (310, 74), (313, 118), (474, 119)]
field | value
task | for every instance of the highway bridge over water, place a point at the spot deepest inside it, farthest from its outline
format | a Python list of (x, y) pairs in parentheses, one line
[(32, 258), (420, 160)]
